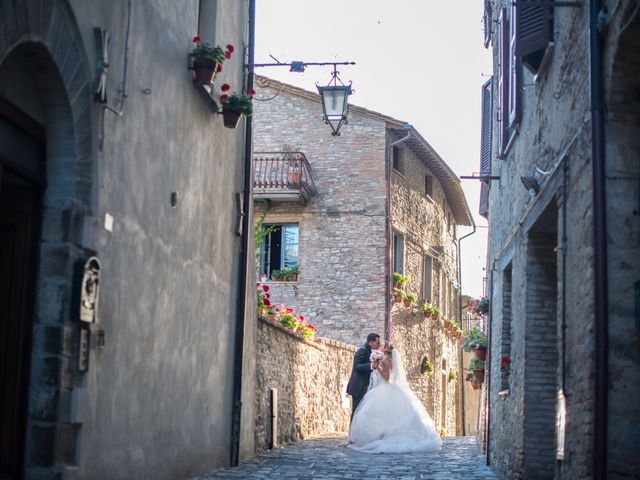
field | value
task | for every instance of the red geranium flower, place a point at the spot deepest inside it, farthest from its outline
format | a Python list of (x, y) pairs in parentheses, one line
[(196, 39), (257, 284), (227, 55), (265, 288), (302, 317), (267, 295), (251, 92), (219, 68), (266, 302), (224, 97), (225, 87), (230, 48)]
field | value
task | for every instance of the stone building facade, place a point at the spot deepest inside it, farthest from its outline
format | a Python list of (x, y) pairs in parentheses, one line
[(342, 247), (563, 261), (144, 387)]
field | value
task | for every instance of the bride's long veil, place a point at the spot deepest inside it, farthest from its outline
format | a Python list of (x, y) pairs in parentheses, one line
[(398, 375)]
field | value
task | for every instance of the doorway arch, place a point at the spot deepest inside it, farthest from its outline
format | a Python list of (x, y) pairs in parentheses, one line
[(43, 48)]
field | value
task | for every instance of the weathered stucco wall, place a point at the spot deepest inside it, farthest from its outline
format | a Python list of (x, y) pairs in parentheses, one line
[(157, 399), (310, 378)]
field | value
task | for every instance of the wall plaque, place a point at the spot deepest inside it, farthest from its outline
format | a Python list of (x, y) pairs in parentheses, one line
[(89, 289)]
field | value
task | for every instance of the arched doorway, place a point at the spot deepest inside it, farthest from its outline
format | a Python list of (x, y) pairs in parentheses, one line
[(46, 178), (21, 185)]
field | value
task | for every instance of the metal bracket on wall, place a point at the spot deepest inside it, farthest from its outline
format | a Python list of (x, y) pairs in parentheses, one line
[(482, 178)]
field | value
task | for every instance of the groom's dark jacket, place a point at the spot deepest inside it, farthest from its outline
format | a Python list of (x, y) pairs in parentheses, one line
[(361, 372)]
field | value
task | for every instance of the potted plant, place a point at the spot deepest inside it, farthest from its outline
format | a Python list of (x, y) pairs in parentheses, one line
[(427, 308), (408, 299), (235, 105), (400, 280), (291, 273), (435, 313), (473, 381), (483, 306), (453, 376), (397, 295), (208, 60), (505, 366), (277, 275), (477, 366), (475, 340), (426, 367)]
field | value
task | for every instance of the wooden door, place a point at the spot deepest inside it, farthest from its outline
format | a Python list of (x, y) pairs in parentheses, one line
[(19, 210)]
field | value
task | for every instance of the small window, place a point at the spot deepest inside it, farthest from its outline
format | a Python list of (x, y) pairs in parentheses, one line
[(505, 350), (427, 278), (398, 253), (207, 16), (398, 164), (279, 249), (428, 185)]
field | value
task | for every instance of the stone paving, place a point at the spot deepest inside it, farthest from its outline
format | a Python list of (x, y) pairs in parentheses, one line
[(460, 458)]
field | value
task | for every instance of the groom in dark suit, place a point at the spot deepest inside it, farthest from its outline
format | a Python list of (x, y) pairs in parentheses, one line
[(361, 372)]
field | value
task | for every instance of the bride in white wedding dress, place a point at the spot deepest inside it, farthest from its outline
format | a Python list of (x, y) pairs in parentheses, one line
[(390, 418)]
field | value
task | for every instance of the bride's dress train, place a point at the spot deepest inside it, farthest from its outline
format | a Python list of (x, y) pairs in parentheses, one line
[(391, 419)]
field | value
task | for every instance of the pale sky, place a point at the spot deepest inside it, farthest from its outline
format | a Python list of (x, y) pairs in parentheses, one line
[(421, 61)]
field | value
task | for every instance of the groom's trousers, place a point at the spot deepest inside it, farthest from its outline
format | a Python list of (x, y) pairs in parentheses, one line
[(354, 403)]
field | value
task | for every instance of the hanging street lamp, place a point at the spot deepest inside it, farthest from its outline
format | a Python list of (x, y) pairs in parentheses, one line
[(335, 102), (334, 96)]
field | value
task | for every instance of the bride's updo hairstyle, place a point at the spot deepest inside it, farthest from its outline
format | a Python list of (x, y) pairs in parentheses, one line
[(388, 348)]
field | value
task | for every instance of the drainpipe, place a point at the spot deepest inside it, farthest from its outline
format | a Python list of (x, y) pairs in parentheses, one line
[(464, 424), (600, 245), (487, 423), (241, 299), (389, 234)]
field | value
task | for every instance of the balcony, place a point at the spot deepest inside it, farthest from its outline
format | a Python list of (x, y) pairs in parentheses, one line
[(282, 177)]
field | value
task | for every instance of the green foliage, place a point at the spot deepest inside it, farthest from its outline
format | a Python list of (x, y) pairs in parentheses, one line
[(239, 102), (410, 296), (426, 367), (210, 52), (400, 279), (452, 376), (476, 364), (474, 338)]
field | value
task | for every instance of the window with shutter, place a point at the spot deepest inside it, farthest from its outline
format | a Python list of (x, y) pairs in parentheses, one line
[(515, 74), (534, 32), (486, 129), (207, 17), (503, 80), (488, 11)]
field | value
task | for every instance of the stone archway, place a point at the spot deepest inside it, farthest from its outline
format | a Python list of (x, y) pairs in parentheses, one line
[(622, 84), (41, 43)]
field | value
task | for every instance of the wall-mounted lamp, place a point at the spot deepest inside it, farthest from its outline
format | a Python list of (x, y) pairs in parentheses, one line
[(335, 106), (531, 184)]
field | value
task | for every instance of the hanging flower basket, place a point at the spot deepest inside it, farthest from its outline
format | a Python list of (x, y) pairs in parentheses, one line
[(231, 117), (204, 69)]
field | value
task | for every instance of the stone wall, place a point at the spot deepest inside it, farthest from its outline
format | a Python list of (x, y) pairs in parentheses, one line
[(553, 134), (310, 378)]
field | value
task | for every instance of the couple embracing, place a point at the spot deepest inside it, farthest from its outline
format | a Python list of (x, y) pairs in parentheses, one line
[(387, 417)]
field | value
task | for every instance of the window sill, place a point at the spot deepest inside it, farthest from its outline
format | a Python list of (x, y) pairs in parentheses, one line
[(397, 172), (512, 138), (205, 93), (544, 64), (503, 393)]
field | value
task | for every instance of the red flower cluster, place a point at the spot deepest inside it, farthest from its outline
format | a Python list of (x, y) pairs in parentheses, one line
[(196, 39), (284, 314)]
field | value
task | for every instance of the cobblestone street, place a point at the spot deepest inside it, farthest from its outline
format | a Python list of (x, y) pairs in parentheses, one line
[(460, 458)]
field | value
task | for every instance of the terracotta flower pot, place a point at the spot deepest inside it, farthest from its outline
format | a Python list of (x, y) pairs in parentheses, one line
[(479, 375), (397, 298), (474, 386), (204, 69), (407, 303), (231, 117), (481, 353)]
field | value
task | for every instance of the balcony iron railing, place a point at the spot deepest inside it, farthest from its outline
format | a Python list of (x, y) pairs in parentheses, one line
[(283, 176)]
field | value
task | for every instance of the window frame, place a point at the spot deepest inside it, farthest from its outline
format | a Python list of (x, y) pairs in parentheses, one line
[(398, 243), (427, 278), (265, 249)]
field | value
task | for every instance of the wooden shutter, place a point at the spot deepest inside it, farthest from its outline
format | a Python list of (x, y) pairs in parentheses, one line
[(484, 200), (503, 80), (486, 144), (488, 11), (515, 73), (486, 129), (534, 31)]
